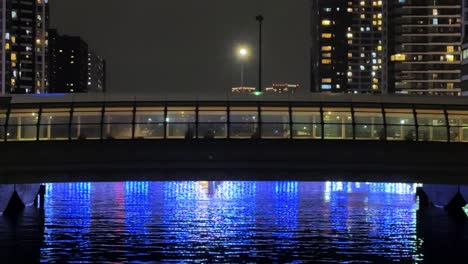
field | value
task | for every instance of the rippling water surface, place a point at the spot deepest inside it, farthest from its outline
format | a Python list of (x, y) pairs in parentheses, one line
[(281, 222)]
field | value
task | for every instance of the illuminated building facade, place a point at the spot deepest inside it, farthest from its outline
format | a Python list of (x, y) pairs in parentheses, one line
[(424, 47), (352, 39), (286, 88), (68, 63), (330, 20), (96, 73), (24, 27), (464, 53)]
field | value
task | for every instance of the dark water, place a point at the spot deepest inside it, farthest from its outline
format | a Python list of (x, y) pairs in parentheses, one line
[(205, 222)]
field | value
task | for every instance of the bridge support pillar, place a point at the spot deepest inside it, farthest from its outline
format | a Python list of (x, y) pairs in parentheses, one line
[(452, 198), (14, 197)]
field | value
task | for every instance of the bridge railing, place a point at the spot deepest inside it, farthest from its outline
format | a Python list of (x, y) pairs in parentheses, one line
[(169, 121)]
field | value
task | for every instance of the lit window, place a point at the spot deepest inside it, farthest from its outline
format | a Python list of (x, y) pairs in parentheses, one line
[(13, 56), (450, 49), (326, 22), (7, 46), (326, 35), (398, 57), (326, 55), (349, 35), (326, 48), (362, 67), (326, 61), (14, 14), (449, 57), (363, 3), (379, 48), (326, 80), (326, 86)]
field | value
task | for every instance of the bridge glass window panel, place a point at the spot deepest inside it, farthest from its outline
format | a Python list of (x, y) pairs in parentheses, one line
[(458, 122), (244, 122), (118, 123), (86, 123), (400, 124), (2, 124), (54, 124), (337, 123), (180, 122), (369, 124), (306, 123), (22, 124), (431, 125), (275, 122), (212, 122), (149, 123)]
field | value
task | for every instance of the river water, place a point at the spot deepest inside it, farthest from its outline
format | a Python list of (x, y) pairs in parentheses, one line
[(229, 222)]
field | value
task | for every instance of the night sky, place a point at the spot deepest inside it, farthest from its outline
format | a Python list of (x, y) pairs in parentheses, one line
[(189, 46)]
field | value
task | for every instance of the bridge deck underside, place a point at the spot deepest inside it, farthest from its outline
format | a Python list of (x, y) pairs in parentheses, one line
[(116, 160)]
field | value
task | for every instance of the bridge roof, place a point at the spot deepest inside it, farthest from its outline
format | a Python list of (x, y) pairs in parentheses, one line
[(311, 97)]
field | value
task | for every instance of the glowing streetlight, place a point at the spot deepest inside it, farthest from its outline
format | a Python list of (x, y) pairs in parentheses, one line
[(243, 53)]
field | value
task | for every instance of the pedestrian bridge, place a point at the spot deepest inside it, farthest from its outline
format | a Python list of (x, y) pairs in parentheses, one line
[(72, 133)]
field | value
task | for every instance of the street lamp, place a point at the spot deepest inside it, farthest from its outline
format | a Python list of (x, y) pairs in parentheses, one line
[(243, 53), (259, 18)]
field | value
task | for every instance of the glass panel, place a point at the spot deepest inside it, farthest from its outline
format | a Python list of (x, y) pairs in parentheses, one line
[(307, 131), (86, 131), (149, 115), (212, 130), (181, 115), (212, 116), (55, 118), (431, 117), (247, 116), (275, 117), (118, 115), (186, 131), (458, 134), (2, 134), (247, 130), (53, 132), (86, 117), (337, 115), (275, 130), (401, 132), (458, 118), (306, 115), (370, 132), (368, 116), (149, 131), (117, 131), (23, 117), (18, 133), (399, 116), (2, 117), (338, 131), (430, 133)]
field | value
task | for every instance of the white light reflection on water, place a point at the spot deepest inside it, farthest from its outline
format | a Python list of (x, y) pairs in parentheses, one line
[(230, 221)]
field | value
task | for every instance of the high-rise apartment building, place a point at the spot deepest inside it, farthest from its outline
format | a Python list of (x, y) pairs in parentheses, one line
[(349, 43), (68, 63), (464, 53), (424, 46), (329, 53), (24, 27), (96, 72)]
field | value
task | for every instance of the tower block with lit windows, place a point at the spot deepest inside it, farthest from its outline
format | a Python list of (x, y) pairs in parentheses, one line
[(24, 27), (424, 47), (349, 43)]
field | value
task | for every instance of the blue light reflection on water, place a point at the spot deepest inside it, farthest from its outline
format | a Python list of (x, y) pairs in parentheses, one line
[(227, 221)]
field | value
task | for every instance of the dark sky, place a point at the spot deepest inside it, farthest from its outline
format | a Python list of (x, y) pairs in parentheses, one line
[(189, 45)]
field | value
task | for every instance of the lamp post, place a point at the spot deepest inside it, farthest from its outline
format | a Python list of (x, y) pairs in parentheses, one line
[(259, 18), (243, 53)]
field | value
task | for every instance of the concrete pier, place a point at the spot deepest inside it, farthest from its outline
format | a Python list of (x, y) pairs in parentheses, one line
[(450, 197), (25, 192)]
